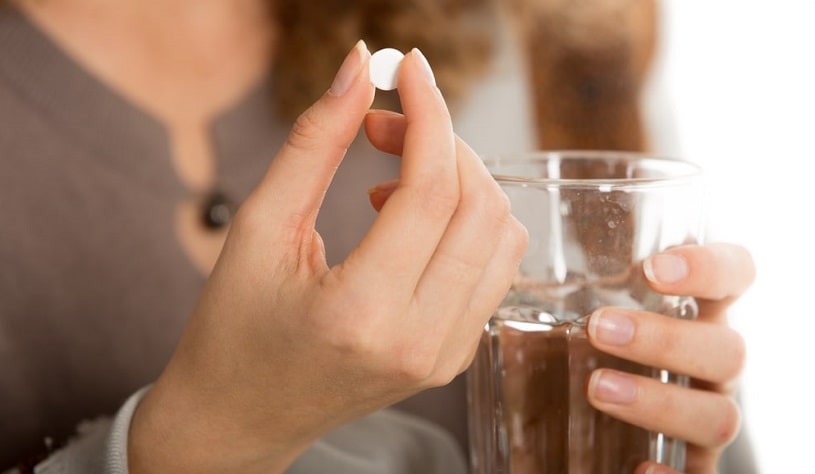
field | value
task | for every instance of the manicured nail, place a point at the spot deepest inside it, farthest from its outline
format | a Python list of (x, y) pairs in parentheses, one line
[(611, 327), (665, 268), (612, 387), (349, 70), (384, 187), (428, 72)]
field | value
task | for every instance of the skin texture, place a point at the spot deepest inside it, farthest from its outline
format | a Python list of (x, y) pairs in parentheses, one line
[(333, 347), (705, 415), (706, 349), (279, 339)]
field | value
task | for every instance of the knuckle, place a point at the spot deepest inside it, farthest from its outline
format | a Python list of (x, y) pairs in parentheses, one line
[(255, 220), (741, 254), (440, 378), (729, 423), (495, 205), (305, 131), (719, 290), (437, 200), (416, 367), (408, 362), (737, 356), (349, 324), (711, 262), (751, 270), (519, 237)]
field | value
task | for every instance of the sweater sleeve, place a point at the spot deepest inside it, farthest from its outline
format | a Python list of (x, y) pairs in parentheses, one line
[(99, 448), (386, 441)]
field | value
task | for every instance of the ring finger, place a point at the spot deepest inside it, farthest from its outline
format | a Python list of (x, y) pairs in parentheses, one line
[(702, 418)]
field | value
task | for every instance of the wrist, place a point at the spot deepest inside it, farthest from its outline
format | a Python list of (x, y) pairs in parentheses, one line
[(176, 430)]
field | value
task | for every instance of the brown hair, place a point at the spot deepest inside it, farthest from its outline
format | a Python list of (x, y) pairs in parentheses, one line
[(455, 35), (589, 62)]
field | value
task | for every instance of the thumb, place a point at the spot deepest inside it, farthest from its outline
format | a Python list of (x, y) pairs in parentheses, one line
[(302, 170)]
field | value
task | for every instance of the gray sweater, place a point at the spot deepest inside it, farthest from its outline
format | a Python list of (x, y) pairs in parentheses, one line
[(90, 310)]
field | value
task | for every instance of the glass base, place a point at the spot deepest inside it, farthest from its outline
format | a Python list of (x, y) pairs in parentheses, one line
[(528, 411)]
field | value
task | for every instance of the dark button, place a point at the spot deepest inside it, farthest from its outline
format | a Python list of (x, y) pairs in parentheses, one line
[(217, 210)]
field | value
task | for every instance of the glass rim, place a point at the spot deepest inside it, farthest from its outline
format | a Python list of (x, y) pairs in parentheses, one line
[(676, 170)]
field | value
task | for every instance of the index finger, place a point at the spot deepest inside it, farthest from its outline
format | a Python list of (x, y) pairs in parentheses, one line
[(717, 271), (297, 178)]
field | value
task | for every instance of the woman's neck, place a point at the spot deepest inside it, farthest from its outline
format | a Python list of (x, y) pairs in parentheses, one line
[(182, 61)]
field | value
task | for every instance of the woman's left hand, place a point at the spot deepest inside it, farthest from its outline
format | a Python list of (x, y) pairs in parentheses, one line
[(706, 349)]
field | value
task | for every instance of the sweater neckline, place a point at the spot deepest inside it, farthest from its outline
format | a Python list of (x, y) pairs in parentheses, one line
[(128, 138)]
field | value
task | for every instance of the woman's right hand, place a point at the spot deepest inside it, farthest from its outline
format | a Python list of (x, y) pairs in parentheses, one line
[(281, 348)]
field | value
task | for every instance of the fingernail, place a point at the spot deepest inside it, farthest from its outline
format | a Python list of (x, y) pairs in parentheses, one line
[(425, 66), (611, 327), (384, 187), (349, 69), (612, 387), (665, 268)]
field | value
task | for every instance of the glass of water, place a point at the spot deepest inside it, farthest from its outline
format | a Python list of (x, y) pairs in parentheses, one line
[(592, 218)]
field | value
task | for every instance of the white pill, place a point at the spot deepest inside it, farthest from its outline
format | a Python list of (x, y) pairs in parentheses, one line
[(384, 67)]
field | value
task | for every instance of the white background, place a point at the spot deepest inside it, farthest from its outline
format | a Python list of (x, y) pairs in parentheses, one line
[(739, 77)]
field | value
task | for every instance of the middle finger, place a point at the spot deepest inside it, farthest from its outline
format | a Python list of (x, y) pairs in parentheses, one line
[(693, 348), (403, 238)]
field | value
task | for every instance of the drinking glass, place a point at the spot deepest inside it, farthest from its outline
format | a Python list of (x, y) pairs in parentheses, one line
[(592, 217)]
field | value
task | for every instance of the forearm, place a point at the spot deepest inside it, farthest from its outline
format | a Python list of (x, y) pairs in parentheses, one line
[(182, 428)]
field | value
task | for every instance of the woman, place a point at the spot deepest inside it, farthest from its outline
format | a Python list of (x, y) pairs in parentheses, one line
[(125, 123)]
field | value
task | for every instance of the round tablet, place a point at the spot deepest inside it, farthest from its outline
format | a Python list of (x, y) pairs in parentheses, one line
[(384, 66)]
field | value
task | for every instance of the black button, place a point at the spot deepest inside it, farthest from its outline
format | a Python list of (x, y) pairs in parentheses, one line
[(217, 210)]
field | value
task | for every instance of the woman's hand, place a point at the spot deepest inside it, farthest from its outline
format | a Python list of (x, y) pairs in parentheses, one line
[(705, 415), (281, 348)]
